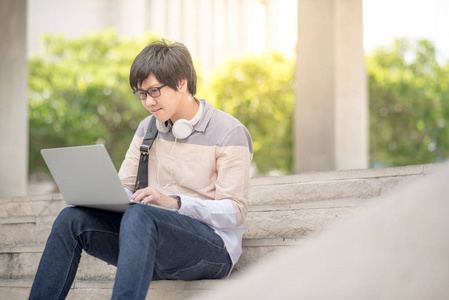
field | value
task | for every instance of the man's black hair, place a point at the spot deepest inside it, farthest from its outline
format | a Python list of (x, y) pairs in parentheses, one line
[(169, 62)]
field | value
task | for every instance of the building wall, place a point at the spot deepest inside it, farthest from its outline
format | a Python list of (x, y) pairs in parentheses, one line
[(13, 99), (213, 30)]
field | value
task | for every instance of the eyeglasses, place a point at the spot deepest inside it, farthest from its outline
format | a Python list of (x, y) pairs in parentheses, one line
[(154, 92)]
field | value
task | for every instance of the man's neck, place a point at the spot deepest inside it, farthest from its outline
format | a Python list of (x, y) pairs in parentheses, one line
[(188, 107)]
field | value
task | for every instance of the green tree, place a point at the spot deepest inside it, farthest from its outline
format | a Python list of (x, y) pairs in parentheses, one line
[(409, 104), (79, 94), (258, 90)]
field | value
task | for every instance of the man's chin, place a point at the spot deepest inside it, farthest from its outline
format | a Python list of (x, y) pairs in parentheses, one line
[(161, 120)]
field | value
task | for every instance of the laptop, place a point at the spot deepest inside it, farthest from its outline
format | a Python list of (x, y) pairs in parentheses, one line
[(86, 176)]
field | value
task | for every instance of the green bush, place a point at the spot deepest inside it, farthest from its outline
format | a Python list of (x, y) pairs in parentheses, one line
[(258, 90), (79, 94), (409, 104)]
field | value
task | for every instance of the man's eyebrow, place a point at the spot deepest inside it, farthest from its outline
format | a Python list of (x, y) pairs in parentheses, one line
[(150, 87)]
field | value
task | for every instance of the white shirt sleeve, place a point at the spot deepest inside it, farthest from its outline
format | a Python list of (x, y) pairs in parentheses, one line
[(219, 214)]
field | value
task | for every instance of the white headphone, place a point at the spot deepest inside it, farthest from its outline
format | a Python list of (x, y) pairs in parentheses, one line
[(182, 127)]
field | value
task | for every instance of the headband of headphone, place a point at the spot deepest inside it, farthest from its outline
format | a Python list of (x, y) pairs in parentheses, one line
[(182, 128)]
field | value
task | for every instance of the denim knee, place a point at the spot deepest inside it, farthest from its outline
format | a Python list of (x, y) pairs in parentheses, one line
[(70, 221), (65, 218), (135, 216)]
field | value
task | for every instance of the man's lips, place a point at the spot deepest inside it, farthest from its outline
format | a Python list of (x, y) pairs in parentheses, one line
[(155, 111)]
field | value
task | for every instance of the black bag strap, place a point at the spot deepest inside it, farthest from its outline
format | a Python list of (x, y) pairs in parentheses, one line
[(142, 173)]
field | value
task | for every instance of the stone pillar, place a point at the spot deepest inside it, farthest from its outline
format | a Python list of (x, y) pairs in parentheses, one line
[(233, 23), (204, 30), (190, 27), (248, 29), (175, 23), (157, 16), (13, 99), (131, 17), (331, 113), (272, 29), (219, 32)]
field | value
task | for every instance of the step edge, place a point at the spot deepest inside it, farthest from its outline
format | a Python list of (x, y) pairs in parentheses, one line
[(108, 284), (247, 242)]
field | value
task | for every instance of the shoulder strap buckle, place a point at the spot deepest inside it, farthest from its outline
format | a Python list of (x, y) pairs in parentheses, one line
[(144, 149)]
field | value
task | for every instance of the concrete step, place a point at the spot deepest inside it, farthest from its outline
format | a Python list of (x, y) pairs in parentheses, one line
[(306, 187), (23, 230), (270, 228), (42, 205), (311, 186), (18, 289), (293, 220), (21, 261), (283, 212), (284, 207), (297, 220)]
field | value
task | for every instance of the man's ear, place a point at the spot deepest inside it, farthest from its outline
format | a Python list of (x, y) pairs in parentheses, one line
[(182, 85)]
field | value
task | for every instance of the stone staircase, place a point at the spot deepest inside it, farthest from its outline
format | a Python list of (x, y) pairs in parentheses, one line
[(283, 212)]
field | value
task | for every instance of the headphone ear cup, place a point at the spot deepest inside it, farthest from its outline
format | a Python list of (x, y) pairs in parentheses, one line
[(182, 129), (163, 127)]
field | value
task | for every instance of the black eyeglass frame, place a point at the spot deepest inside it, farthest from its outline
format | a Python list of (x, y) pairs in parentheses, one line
[(153, 92)]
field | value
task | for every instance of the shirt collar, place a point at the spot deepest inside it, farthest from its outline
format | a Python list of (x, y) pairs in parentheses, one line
[(205, 118)]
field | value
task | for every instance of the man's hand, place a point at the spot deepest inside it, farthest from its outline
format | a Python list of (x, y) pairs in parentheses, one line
[(153, 196)]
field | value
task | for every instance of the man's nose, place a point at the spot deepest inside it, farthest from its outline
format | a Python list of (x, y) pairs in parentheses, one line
[(150, 100)]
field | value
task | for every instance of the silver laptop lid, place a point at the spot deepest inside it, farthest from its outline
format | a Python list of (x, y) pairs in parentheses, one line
[(87, 177)]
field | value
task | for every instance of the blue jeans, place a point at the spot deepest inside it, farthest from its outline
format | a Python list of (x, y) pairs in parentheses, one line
[(145, 243)]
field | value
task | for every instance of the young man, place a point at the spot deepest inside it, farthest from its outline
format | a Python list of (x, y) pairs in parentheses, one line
[(199, 167)]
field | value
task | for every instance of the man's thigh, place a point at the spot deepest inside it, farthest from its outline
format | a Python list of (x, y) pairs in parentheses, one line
[(96, 231), (186, 248)]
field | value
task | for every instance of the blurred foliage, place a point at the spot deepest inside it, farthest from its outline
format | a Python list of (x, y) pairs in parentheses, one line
[(409, 104), (258, 90), (79, 94)]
